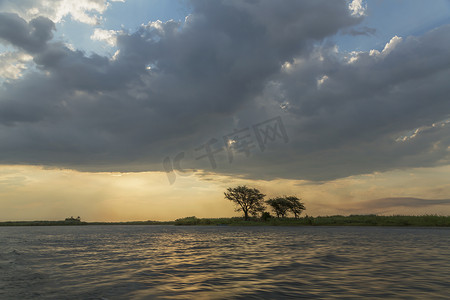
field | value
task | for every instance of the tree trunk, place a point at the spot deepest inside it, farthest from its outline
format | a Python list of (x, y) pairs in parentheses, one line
[(246, 215)]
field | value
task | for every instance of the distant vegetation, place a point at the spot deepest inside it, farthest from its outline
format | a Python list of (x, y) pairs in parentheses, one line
[(352, 220), (73, 220)]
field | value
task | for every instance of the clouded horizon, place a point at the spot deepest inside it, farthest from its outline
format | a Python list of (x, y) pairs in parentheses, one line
[(189, 97)]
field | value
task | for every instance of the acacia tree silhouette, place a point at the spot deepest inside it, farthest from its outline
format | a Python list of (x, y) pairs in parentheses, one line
[(248, 200), (295, 206), (281, 205)]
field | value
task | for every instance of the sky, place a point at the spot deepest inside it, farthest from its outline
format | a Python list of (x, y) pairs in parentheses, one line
[(150, 109)]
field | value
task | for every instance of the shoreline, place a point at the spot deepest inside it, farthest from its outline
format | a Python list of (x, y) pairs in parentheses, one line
[(338, 220)]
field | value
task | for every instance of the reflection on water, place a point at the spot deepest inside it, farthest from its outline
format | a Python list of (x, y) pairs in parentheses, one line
[(168, 262)]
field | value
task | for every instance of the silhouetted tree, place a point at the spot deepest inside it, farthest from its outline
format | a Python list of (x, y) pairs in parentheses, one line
[(282, 205), (295, 206), (279, 205), (249, 200)]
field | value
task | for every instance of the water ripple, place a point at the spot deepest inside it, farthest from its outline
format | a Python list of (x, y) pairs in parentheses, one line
[(168, 262)]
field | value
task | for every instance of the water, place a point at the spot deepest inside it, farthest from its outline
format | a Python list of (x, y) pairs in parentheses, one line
[(169, 262)]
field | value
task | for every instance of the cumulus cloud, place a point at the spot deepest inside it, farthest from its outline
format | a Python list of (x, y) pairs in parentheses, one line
[(174, 86), (12, 64), (108, 36), (357, 7), (387, 48), (85, 11)]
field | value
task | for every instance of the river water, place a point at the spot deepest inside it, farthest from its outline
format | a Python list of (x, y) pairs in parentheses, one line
[(221, 262)]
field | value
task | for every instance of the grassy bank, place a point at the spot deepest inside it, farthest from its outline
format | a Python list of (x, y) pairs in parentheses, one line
[(353, 220)]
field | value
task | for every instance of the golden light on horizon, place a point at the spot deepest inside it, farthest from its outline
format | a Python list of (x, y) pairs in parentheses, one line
[(38, 193)]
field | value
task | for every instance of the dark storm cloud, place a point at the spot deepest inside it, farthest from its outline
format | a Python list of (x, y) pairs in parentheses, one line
[(172, 86), (31, 36), (352, 122)]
